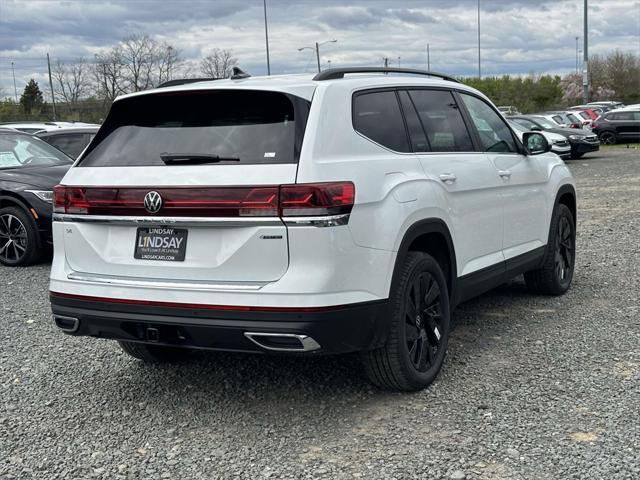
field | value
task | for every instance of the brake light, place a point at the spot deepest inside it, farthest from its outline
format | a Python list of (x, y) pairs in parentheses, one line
[(312, 199)]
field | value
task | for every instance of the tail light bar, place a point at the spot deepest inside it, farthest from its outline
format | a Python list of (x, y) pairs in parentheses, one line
[(296, 200)]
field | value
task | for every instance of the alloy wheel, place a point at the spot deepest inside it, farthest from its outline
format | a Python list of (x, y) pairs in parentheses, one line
[(564, 250), (423, 321), (13, 238), (608, 138)]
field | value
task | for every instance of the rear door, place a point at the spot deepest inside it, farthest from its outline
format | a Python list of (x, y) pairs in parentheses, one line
[(183, 186), (464, 176)]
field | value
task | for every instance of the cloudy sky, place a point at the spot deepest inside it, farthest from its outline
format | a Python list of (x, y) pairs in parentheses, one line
[(518, 36)]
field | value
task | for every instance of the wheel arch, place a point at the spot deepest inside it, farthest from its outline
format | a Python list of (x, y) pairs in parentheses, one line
[(567, 196), (9, 199), (430, 236)]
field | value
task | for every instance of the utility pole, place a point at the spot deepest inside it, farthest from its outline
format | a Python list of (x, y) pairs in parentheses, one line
[(53, 98), (317, 50), (585, 65), (15, 89), (479, 67), (577, 55), (266, 36), (318, 56), (428, 59)]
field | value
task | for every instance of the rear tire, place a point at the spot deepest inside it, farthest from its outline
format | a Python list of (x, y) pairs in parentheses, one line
[(154, 353), (555, 275), (19, 239), (419, 330)]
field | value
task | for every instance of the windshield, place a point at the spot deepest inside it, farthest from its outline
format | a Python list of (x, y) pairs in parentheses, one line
[(223, 126), (19, 150), (544, 122)]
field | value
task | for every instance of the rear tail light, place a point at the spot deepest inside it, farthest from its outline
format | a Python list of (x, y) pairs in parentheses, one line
[(312, 199)]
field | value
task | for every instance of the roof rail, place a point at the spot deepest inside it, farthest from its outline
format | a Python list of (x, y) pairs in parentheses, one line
[(183, 81), (335, 73)]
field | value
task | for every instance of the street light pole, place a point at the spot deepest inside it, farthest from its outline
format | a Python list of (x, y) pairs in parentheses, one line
[(15, 89), (428, 59), (585, 66), (316, 48), (318, 56), (53, 97), (479, 67), (266, 36)]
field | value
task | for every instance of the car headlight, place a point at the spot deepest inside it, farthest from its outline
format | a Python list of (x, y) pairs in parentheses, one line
[(44, 195), (577, 137)]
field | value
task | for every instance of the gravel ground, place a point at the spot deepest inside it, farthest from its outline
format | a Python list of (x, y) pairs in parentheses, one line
[(533, 387)]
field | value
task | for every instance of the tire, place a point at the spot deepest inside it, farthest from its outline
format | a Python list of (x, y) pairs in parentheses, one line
[(555, 275), (575, 156), (417, 341), (19, 238), (608, 138), (154, 353)]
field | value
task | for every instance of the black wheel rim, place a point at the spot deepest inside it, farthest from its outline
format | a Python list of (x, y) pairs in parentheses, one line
[(424, 322), (13, 238), (564, 250), (608, 139)]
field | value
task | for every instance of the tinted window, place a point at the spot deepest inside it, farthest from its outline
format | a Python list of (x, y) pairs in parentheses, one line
[(636, 115), (18, 150), (251, 126), (621, 116), (558, 119), (495, 135), (525, 123), (70, 143), (416, 133), (584, 115), (442, 121), (377, 116)]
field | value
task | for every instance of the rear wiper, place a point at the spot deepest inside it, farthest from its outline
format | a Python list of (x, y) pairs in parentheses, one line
[(194, 158)]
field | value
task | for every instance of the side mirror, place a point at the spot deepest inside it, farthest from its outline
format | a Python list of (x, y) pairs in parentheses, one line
[(535, 143)]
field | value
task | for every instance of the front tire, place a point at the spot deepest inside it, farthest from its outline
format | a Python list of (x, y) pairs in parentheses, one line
[(608, 138), (419, 330), (556, 273), (19, 240), (154, 353)]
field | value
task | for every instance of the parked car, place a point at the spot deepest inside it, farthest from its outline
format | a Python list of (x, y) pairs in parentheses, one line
[(563, 119), (618, 126), (71, 140), (559, 143), (582, 141), (30, 127), (607, 105), (29, 168), (595, 109), (344, 212), (509, 110)]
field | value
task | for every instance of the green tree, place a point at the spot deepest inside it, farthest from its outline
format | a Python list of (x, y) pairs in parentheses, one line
[(31, 97)]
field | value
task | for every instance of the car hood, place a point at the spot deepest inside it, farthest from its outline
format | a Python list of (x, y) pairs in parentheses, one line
[(41, 177), (570, 131), (552, 137)]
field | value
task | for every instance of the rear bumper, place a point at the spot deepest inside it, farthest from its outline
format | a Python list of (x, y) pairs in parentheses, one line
[(339, 329)]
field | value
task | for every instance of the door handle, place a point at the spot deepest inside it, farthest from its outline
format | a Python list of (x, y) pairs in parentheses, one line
[(448, 177), (506, 174)]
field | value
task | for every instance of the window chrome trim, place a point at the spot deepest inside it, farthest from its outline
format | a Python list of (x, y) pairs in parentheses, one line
[(139, 282), (330, 221), (174, 221)]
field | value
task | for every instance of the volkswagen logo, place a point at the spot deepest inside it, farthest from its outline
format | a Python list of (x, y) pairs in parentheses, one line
[(152, 202)]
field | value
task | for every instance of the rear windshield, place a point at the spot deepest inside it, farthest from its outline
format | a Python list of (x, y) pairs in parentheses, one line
[(226, 126)]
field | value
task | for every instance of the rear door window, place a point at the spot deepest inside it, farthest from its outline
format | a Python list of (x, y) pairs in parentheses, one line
[(221, 126), (418, 138), (377, 116), (70, 143), (442, 121)]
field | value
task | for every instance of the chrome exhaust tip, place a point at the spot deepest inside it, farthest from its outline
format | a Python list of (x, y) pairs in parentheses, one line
[(66, 324), (283, 342)]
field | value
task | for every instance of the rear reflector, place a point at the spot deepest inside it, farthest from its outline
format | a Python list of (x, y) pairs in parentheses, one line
[(312, 199)]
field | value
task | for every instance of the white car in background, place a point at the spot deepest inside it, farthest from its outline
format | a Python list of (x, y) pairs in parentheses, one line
[(559, 143)]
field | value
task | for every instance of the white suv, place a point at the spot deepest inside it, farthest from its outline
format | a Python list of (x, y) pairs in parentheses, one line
[(351, 211)]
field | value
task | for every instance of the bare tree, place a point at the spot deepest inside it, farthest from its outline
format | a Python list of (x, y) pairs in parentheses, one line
[(140, 61), (72, 81), (109, 75), (168, 62), (218, 64)]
